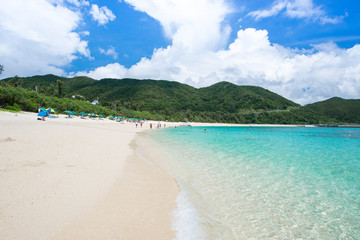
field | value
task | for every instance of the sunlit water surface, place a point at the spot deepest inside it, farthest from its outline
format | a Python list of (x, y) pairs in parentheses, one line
[(265, 182)]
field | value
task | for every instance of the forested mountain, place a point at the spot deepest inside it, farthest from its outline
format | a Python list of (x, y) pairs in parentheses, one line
[(338, 109), (221, 102), (159, 95), (233, 98)]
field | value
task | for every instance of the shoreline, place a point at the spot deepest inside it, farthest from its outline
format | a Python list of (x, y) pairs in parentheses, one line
[(79, 179), (198, 124), (146, 209), (185, 217)]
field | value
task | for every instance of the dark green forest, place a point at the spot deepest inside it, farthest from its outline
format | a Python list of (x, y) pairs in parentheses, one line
[(172, 101), (338, 109)]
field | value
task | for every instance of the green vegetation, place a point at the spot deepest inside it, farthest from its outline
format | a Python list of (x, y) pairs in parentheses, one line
[(20, 99), (162, 100), (17, 99), (338, 110), (164, 97)]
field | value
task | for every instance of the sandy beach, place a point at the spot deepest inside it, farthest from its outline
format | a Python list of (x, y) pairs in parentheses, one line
[(79, 179)]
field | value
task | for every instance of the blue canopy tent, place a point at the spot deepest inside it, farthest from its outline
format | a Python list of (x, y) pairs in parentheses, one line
[(43, 114)]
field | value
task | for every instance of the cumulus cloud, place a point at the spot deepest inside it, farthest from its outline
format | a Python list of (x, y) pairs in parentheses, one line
[(38, 37), (109, 52), (199, 58), (113, 70), (101, 15), (305, 9), (194, 25)]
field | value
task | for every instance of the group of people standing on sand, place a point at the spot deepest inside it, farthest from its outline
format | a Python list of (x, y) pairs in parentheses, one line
[(137, 122), (158, 125)]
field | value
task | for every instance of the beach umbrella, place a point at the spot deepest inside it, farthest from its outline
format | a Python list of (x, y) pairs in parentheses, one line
[(82, 113), (51, 110), (101, 116), (42, 109), (71, 112), (118, 119)]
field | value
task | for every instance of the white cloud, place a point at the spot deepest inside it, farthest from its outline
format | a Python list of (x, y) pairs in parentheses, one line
[(77, 3), (113, 70), (38, 37), (194, 25), (102, 15), (277, 7), (198, 57), (110, 52), (296, 9), (84, 33)]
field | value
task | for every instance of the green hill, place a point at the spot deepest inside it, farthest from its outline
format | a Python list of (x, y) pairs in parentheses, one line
[(338, 109), (149, 95), (222, 96), (221, 102), (233, 98)]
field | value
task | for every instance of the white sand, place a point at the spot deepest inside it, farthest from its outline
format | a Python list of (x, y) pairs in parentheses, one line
[(79, 179)]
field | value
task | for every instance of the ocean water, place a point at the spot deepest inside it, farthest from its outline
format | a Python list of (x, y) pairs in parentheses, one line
[(264, 182)]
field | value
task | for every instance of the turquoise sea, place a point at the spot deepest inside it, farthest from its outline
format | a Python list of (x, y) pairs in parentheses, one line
[(265, 182)]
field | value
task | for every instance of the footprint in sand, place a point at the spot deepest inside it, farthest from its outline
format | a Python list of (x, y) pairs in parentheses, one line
[(8, 139), (34, 164)]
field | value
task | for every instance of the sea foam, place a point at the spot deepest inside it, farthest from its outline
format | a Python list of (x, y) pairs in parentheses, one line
[(186, 220)]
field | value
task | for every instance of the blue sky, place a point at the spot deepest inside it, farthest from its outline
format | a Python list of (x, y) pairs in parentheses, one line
[(132, 34), (305, 50), (135, 34)]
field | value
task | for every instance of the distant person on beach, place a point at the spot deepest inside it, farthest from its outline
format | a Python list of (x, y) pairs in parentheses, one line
[(150, 125)]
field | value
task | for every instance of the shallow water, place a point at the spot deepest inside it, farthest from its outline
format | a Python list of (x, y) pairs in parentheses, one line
[(265, 182)]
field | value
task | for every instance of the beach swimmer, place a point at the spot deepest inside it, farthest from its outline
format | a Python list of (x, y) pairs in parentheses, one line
[(204, 130)]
